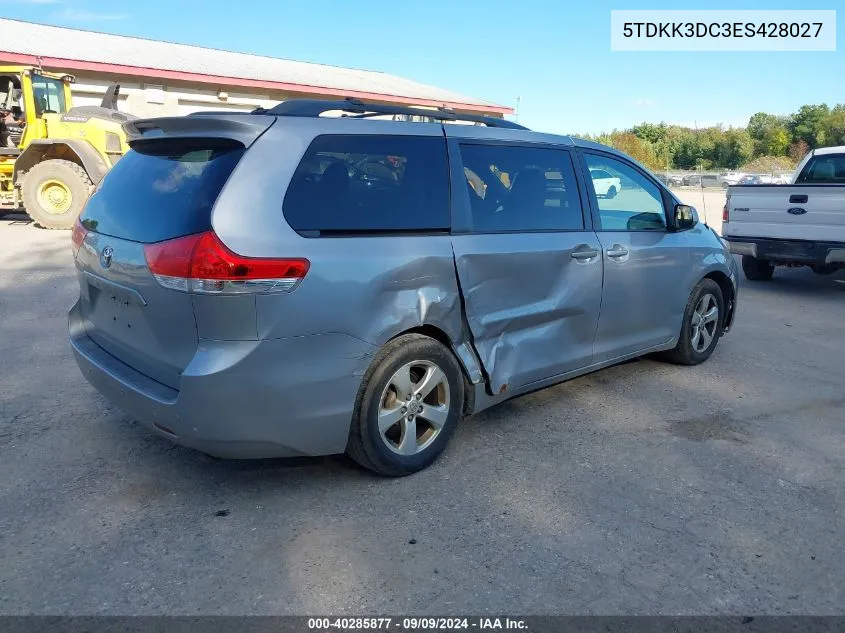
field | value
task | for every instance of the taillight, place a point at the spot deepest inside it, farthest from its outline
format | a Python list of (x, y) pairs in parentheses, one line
[(201, 263), (78, 236), (726, 212)]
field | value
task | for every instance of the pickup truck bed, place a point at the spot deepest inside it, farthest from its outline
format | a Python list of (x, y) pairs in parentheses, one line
[(790, 225)]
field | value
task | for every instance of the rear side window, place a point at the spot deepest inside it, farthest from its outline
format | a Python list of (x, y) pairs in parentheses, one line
[(353, 184), (825, 168), (162, 189), (516, 188)]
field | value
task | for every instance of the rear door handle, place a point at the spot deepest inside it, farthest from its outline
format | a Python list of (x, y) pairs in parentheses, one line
[(798, 199), (616, 251), (586, 254)]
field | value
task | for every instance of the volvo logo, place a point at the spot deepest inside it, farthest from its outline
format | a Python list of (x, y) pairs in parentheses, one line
[(796, 211), (105, 256)]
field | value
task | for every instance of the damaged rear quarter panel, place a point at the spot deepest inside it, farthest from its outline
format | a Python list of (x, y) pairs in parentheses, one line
[(371, 288)]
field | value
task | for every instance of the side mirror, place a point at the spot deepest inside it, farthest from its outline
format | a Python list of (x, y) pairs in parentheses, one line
[(684, 217)]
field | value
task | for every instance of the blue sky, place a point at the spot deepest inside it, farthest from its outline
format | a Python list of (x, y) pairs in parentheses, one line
[(553, 54)]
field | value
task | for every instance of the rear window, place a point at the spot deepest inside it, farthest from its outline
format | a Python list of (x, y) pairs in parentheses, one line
[(162, 189), (825, 168), (354, 184)]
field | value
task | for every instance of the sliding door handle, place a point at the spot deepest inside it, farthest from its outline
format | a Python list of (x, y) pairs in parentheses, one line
[(585, 255), (617, 251)]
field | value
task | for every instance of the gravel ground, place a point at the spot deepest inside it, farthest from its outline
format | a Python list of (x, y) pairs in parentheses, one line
[(644, 488)]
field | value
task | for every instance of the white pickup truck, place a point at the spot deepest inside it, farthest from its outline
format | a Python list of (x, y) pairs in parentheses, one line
[(799, 224)]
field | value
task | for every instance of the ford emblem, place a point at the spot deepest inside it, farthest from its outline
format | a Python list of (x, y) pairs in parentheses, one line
[(796, 211)]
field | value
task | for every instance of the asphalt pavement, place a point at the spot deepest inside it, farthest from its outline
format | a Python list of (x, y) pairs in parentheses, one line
[(644, 488)]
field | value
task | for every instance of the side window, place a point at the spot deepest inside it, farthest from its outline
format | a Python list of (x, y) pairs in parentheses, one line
[(825, 168), (628, 201), (517, 188), (370, 184)]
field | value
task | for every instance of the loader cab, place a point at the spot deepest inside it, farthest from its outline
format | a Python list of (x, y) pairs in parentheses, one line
[(49, 94), (30, 94)]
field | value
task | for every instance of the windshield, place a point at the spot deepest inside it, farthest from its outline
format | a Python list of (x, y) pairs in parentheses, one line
[(49, 95)]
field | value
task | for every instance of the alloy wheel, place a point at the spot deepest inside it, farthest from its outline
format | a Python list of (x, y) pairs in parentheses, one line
[(414, 407), (705, 320)]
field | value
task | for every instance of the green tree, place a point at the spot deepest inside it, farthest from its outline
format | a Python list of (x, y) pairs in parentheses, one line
[(770, 134), (760, 124), (767, 136), (733, 148), (685, 148), (653, 133), (834, 126), (808, 124), (774, 143)]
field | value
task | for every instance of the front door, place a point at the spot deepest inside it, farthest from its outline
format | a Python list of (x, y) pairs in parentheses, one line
[(528, 262), (646, 266)]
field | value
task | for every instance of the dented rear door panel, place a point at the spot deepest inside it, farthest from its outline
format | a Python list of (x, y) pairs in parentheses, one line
[(531, 307)]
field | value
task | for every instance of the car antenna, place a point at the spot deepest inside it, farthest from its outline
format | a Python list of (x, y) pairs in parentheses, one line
[(701, 181)]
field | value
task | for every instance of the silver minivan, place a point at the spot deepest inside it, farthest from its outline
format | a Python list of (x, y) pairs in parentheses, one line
[(284, 282)]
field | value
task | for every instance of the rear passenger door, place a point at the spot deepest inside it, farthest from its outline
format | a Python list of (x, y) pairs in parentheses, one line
[(528, 262)]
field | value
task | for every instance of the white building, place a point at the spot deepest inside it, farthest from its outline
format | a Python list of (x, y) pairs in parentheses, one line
[(160, 78)]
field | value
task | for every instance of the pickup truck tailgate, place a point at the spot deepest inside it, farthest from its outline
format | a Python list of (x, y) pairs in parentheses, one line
[(799, 212)]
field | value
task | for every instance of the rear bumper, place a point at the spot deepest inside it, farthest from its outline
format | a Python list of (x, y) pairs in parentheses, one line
[(788, 251), (241, 399)]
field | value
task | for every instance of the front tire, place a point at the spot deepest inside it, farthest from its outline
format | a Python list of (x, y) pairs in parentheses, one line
[(54, 193), (704, 317), (408, 406), (757, 269)]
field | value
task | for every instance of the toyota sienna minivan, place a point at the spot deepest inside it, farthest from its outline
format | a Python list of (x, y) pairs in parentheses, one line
[(283, 283)]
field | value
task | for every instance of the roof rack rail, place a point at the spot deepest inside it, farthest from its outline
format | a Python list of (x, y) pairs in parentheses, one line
[(316, 107)]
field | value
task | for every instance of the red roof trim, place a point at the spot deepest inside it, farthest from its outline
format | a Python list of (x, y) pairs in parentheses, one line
[(137, 71)]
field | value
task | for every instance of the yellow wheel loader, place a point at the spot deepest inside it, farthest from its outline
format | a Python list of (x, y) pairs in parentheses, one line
[(52, 155)]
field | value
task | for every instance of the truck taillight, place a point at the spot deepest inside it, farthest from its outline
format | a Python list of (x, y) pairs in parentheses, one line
[(201, 263), (726, 212), (78, 236)]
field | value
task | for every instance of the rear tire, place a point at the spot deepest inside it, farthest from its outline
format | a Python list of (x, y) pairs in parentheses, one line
[(825, 269), (54, 193), (387, 448), (701, 327), (757, 269)]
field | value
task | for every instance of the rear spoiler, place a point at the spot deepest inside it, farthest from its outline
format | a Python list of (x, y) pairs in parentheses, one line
[(243, 129)]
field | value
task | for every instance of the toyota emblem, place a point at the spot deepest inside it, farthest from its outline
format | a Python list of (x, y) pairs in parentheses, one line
[(105, 256)]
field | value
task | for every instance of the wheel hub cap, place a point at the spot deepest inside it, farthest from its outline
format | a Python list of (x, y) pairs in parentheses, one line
[(55, 197)]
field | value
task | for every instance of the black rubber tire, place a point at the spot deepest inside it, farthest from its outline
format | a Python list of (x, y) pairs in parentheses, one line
[(611, 192), (757, 269), (72, 175), (684, 353), (365, 445), (825, 269)]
